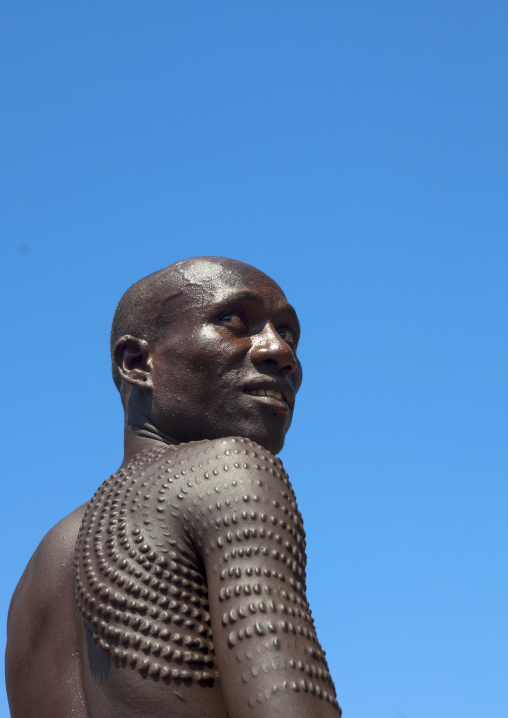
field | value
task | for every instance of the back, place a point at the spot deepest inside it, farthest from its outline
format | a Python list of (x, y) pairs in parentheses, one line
[(178, 590)]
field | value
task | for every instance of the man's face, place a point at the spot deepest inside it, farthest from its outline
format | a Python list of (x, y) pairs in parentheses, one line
[(227, 364)]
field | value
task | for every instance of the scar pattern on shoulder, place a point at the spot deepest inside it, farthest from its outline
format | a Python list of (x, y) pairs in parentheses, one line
[(142, 589)]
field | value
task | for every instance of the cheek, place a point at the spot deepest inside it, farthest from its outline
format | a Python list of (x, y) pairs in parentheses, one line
[(201, 366), (218, 353)]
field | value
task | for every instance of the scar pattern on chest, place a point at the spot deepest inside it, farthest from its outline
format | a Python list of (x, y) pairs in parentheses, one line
[(143, 604)]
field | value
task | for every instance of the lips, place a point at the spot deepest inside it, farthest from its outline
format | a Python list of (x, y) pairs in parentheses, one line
[(273, 395)]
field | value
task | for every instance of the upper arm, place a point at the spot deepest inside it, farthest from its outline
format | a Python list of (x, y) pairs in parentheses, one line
[(43, 673), (241, 514)]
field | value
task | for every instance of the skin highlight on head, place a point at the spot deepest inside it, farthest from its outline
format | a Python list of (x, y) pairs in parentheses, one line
[(179, 588), (202, 349)]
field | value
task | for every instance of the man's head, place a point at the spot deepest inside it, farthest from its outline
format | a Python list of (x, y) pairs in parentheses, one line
[(211, 342)]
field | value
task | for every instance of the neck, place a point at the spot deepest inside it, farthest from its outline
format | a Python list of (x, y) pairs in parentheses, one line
[(138, 438), (140, 432)]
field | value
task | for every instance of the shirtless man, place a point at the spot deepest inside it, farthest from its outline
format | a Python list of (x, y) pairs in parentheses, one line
[(179, 589)]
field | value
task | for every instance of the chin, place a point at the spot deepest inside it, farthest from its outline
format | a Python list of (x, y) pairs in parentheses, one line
[(274, 448), (270, 442), (270, 438)]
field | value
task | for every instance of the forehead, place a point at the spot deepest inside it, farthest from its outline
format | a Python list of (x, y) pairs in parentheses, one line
[(209, 284)]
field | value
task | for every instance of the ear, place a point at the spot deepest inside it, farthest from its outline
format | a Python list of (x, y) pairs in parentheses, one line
[(134, 361)]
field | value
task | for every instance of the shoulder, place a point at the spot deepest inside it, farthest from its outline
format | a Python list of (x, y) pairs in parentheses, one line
[(233, 455), (57, 546), (41, 605), (49, 561), (62, 537), (232, 490), (234, 468)]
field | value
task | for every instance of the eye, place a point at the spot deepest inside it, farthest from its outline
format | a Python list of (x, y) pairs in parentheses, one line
[(234, 321), (287, 334)]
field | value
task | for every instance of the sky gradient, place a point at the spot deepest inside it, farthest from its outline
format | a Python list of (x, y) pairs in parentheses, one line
[(357, 153)]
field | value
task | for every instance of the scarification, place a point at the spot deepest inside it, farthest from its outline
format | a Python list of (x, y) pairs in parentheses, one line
[(144, 604), (141, 583)]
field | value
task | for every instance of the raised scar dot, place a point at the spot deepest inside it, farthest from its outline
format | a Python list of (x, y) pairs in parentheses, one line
[(130, 569)]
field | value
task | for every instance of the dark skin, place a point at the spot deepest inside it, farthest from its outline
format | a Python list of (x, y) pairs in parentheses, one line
[(225, 366)]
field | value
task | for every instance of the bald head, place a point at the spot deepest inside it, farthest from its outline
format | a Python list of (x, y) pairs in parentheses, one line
[(206, 348), (145, 310)]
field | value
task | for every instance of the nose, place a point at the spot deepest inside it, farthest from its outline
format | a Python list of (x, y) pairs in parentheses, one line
[(270, 350)]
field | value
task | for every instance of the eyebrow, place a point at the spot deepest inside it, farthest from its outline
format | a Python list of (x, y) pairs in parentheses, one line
[(288, 308), (252, 296)]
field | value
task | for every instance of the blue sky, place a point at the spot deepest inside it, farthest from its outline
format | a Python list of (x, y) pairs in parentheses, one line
[(357, 153)]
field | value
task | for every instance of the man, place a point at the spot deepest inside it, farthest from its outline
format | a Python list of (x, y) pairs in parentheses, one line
[(179, 589)]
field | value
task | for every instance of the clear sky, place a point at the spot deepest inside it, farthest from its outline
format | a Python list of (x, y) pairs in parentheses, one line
[(356, 152)]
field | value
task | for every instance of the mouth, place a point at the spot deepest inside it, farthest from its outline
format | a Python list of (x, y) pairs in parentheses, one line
[(273, 398)]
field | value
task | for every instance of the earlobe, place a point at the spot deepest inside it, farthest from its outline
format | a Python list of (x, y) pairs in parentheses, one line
[(134, 362)]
